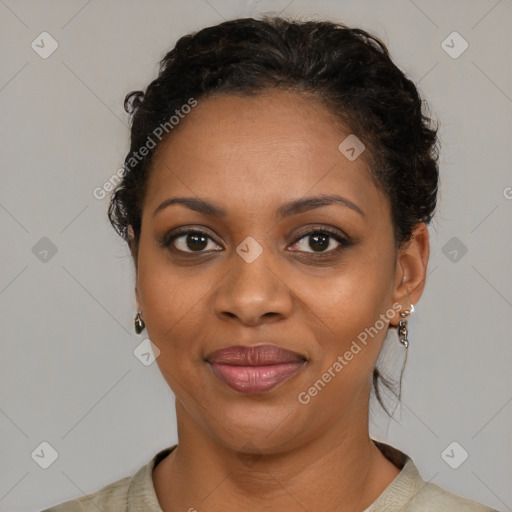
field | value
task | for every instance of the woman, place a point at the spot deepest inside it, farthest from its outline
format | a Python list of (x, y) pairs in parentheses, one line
[(275, 200)]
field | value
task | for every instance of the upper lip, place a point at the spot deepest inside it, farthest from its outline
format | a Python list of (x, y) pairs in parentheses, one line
[(260, 355)]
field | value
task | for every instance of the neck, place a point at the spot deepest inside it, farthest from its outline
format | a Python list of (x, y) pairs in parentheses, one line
[(338, 469)]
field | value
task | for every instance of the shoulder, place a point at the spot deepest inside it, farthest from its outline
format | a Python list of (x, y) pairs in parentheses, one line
[(431, 497), (131, 493), (111, 497), (409, 492)]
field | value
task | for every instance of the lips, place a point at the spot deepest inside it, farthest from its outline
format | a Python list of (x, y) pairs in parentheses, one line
[(254, 369)]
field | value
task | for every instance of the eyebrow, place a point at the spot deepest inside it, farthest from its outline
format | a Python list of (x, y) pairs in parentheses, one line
[(292, 208)]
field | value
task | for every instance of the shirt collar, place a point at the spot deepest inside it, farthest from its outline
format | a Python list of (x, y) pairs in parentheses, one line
[(142, 495)]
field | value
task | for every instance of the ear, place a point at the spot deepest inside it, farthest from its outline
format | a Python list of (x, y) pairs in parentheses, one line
[(132, 244), (411, 270), (134, 252), (137, 300)]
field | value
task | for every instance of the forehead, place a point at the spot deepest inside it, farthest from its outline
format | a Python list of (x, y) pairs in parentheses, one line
[(256, 151)]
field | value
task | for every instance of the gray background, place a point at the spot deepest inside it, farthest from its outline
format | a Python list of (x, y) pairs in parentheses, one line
[(69, 376)]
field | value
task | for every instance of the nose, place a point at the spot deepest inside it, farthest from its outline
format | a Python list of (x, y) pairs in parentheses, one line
[(253, 292)]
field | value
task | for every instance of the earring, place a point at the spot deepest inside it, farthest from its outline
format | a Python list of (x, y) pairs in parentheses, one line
[(139, 323), (402, 327)]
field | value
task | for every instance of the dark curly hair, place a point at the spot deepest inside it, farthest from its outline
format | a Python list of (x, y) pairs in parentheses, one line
[(347, 69)]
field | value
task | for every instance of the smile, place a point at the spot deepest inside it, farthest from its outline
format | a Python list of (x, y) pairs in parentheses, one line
[(254, 369)]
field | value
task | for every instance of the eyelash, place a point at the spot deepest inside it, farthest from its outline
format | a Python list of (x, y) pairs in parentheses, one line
[(343, 241)]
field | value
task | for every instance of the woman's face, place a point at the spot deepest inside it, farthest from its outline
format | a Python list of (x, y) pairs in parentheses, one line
[(256, 277)]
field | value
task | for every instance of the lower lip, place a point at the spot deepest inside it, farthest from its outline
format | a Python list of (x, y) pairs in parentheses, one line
[(255, 379)]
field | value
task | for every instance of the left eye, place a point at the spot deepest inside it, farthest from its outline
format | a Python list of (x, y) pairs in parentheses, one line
[(320, 240)]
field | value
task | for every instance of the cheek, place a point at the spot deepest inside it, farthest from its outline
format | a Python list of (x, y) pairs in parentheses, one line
[(173, 310), (171, 298), (352, 296), (350, 305)]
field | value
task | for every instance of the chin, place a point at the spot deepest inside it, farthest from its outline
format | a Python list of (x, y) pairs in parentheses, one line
[(266, 427)]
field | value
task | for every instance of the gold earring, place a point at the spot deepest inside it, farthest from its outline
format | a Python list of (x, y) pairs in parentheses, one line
[(139, 323)]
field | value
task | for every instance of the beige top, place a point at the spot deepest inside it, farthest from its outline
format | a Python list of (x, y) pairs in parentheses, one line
[(408, 492)]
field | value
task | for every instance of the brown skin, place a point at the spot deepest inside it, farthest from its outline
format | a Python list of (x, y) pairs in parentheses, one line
[(250, 156)]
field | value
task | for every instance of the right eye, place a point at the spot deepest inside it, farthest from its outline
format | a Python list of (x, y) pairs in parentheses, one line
[(189, 241)]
